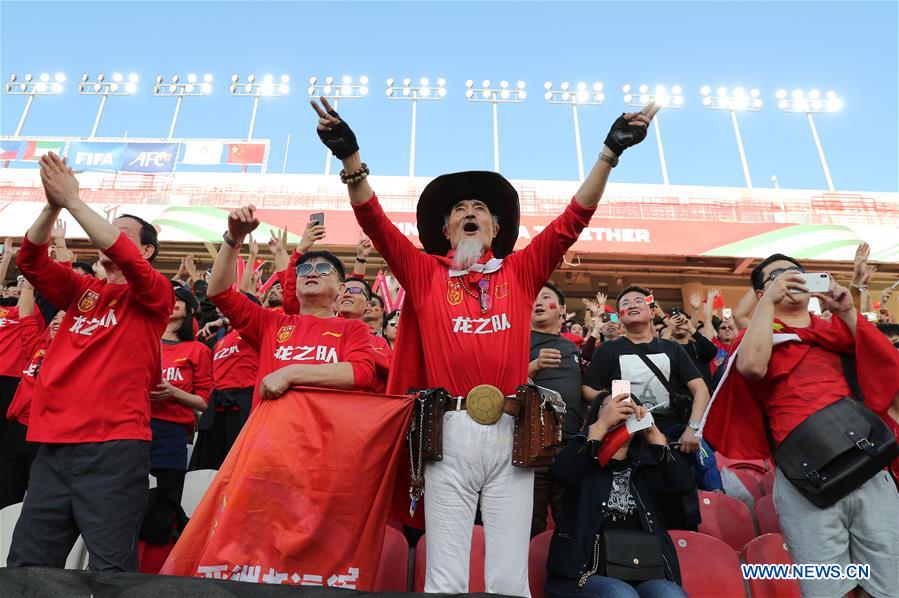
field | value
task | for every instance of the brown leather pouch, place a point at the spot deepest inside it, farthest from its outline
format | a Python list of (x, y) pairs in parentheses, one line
[(538, 427)]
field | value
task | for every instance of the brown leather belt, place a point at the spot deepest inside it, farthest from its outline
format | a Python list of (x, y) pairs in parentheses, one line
[(511, 405)]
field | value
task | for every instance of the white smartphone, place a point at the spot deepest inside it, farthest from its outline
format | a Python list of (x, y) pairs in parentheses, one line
[(635, 425), (621, 387), (728, 313), (816, 282)]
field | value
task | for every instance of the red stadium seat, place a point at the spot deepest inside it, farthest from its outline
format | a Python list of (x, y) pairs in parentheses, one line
[(751, 480), (537, 555), (393, 569), (770, 548), (476, 562), (726, 518), (708, 567), (768, 481), (151, 557), (760, 465), (766, 516)]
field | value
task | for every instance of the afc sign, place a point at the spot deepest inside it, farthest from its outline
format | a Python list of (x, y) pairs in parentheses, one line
[(148, 159)]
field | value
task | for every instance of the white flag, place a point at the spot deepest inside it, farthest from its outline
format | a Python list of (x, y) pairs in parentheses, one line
[(203, 152)]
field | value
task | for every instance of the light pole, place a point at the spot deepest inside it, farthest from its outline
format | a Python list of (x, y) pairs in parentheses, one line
[(105, 87), (414, 93), (580, 95), (28, 86), (252, 88), (502, 95), (732, 101), (346, 90), (811, 103), (179, 89), (641, 98)]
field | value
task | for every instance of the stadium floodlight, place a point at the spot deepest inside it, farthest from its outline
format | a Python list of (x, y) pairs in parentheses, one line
[(252, 88), (101, 86), (31, 88), (407, 91), (810, 103), (583, 95), (334, 90), (179, 90), (666, 98), (501, 95), (734, 100)]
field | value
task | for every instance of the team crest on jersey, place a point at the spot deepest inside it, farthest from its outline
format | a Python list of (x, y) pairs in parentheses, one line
[(502, 290), (284, 333), (88, 300), (454, 293), (3, 312)]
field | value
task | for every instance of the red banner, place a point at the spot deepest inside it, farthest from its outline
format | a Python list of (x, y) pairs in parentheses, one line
[(304, 494)]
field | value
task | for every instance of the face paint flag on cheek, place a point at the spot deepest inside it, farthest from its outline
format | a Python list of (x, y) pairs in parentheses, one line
[(552, 306)]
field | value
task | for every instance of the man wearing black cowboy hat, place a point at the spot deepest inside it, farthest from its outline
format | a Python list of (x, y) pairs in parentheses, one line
[(466, 326)]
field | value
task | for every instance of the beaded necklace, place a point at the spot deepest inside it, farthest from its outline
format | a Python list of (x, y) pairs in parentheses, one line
[(483, 296)]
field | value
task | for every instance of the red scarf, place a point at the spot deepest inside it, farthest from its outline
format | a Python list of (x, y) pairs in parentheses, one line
[(734, 422)]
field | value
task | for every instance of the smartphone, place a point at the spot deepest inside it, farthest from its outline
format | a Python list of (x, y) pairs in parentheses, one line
[(2, 248), (674, 312), (814, 306), (635, 425), (621, 387), (318, 218), (614, 318), (728, 313), (816, 282)]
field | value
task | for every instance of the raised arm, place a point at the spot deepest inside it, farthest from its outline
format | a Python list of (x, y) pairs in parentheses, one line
[(629, 129), (341, 140), (9, 254), (241, 222), (246, 281)]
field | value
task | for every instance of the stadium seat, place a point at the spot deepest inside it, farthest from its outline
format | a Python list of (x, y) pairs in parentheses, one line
[(760, 465), (726, 518), (770, 548), (476, 562), (766, 516), (708, 567), (767, 482), (537, 555), (195, 485), (393, 569), (751, 481)]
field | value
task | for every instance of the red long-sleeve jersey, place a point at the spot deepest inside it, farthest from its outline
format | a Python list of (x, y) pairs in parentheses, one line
[(35, 341), (464, 346), (186, 365), (96, 378)]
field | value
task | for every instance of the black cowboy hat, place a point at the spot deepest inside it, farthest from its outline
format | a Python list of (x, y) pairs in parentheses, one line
[(447, 190)]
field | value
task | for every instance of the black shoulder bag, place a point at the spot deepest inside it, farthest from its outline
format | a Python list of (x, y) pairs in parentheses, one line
[(836, 449), (681, 403)]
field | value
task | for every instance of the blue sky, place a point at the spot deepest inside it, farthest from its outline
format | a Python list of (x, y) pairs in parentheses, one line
[(850, 47)]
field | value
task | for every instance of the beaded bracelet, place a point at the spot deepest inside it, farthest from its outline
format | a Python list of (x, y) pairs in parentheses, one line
[(355, 177), (613, 162)]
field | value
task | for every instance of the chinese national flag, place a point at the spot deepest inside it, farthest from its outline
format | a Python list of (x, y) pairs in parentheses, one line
[(246, 153), (303, 495)]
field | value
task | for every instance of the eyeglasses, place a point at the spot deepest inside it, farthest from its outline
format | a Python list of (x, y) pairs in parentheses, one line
[(323, 268), (778, 271), (394, 322), (634, 303), (354, 291)]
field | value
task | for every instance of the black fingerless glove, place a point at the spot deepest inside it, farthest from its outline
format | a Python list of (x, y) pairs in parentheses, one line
[(621, 136), (340, 139)]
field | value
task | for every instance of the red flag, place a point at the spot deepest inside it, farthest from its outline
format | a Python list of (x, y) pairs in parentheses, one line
[(303, 495), (246, 153), (718, 303)]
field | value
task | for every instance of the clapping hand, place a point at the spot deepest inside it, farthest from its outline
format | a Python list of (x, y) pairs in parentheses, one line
[(60, 185)]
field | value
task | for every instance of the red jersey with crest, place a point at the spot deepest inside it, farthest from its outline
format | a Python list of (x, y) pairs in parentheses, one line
[(95, 381), (35, 339), (234, 362), (465, 345), (186, 365), (12, 356), (285, 339)]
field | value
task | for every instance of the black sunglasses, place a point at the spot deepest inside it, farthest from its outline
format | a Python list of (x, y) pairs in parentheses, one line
[(323, 268)]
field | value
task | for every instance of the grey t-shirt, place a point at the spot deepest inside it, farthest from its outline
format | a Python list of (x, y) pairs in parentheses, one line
[(565, 379)]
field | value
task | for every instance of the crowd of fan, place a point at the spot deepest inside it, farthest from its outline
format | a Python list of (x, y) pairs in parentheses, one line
[(214, 369)]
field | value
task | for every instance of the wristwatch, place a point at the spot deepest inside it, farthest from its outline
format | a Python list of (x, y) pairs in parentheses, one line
[(693, 426), (231, 242)]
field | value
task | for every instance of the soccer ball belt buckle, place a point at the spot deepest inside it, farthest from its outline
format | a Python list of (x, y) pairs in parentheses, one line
[(484, 404)]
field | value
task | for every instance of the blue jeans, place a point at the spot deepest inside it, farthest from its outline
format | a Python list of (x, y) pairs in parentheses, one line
[(607, 587)]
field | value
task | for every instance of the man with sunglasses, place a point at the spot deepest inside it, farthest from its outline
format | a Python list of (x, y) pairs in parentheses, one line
[(312, 348), (354, 301), (785, 369), (465, 328)]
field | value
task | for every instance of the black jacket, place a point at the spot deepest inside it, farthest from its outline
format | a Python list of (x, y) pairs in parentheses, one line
[(657, 475)]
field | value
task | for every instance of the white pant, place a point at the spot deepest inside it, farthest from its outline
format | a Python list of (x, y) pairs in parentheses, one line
[(477, 458)]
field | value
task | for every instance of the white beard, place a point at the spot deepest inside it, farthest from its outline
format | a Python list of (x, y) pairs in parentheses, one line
[(468, 251)]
